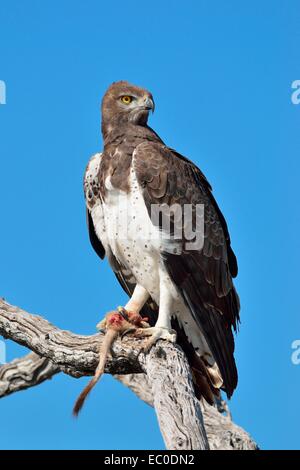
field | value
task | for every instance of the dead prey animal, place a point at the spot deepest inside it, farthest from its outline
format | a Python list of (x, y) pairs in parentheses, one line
[(116, 323)]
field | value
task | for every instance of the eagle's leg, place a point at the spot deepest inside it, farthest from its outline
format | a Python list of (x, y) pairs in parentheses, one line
[(162, 328), (131, 310), (137, 300)]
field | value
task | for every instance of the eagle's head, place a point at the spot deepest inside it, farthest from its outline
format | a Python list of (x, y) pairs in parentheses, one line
[(125, 103)]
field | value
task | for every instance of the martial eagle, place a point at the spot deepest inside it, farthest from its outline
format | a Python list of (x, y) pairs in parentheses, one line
[(181, 287)]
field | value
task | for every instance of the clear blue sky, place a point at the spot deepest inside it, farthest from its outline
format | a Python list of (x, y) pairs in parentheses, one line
[(221, 75)]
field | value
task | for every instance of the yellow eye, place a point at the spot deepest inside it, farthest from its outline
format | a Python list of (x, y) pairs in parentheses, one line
[(126, 99)]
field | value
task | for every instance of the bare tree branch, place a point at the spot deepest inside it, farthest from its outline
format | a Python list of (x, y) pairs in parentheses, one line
[(32, 369), (75, 355), (139, 385), (222, 432), (26, 372), (178, 410), (150, 377)]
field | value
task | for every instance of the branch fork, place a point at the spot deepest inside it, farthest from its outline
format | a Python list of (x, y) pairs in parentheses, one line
[(161, 378)]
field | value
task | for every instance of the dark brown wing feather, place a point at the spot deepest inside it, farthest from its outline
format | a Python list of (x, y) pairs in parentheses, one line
[(203, 277), (95, 242)]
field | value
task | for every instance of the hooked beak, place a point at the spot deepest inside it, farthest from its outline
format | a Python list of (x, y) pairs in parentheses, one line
[(148, 104)]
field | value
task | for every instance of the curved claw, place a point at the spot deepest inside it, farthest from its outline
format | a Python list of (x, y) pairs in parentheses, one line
[(155, 334), (127, 332), (101, 330)]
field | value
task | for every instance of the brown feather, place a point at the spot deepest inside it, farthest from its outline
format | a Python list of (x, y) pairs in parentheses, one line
[(203, 277)]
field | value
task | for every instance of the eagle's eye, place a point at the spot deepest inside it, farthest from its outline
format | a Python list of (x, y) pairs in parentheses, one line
[(126, 99)]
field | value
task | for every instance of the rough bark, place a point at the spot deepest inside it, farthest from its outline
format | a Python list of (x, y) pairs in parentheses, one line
[(178, 411), (25, 372), (222, 432), (161, 378)]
